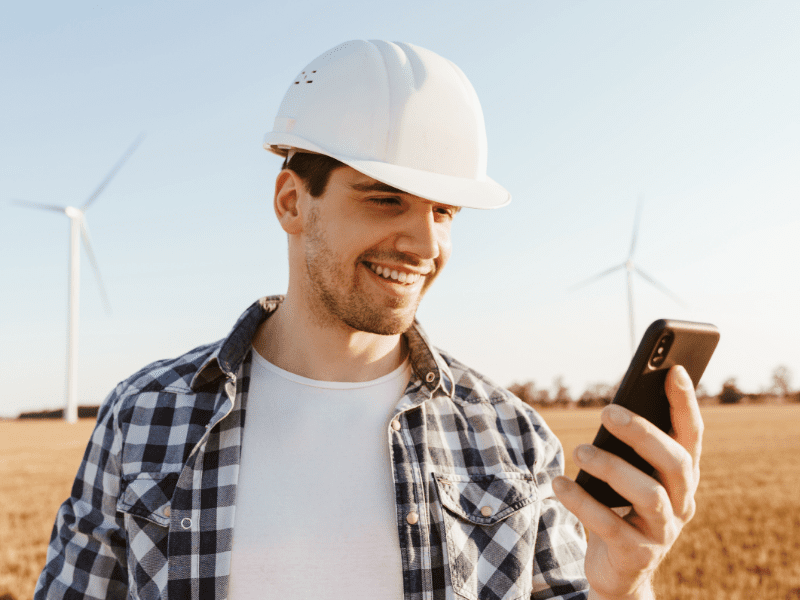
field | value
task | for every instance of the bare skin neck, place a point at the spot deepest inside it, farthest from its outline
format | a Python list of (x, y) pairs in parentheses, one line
[(294, 340)]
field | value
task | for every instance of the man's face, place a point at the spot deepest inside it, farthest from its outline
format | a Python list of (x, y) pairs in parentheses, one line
[(371, 252)]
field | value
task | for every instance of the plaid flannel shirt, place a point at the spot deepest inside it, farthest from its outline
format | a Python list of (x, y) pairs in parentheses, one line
[(151, 512)]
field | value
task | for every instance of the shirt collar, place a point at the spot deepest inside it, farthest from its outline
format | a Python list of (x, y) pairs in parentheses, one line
[(427, 364), (226, 359)]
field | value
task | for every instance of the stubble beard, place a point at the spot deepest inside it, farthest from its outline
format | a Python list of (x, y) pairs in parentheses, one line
[(334, 302)]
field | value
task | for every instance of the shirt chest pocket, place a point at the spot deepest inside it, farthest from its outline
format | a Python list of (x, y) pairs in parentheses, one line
[(145, 505), (490, 525)]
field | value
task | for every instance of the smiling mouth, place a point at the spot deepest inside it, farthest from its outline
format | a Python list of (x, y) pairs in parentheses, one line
[(394, 275)]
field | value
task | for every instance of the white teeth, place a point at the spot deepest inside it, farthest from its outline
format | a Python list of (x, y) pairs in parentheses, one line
[(399, 276)]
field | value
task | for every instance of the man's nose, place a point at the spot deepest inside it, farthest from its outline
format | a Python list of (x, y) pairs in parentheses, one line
[(420, 235)]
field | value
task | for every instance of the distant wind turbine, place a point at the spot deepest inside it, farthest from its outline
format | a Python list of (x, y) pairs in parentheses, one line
[(631, 268), (79, 230)]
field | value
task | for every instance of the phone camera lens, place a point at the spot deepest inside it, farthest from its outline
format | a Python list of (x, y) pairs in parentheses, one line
[(660, 353)]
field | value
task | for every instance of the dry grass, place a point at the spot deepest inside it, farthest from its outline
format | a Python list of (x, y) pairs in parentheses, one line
[(38, 461), (744, 542)]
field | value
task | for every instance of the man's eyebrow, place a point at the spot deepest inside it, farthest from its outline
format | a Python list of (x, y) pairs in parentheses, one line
[(376, 186)]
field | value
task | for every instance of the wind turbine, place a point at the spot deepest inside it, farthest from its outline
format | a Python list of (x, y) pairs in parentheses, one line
[(630, 269), (79, 230)]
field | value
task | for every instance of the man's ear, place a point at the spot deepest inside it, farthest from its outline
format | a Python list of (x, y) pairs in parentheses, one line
[(288, 189)]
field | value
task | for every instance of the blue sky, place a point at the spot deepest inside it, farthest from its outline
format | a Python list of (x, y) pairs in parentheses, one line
[(589, 106)]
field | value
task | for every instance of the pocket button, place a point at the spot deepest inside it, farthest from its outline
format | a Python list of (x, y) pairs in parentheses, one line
[(486, 511)]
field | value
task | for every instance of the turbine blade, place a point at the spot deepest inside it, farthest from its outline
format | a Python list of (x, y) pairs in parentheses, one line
[(113, 172), (636, 222), (595, 277), (660, 286), (29, 204), (93, 261), (630, 313)]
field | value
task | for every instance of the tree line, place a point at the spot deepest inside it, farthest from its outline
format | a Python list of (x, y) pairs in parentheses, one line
[(600, 394), (558, 396)]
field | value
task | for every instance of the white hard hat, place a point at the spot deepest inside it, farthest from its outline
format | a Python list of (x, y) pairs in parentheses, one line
[(395, 112)]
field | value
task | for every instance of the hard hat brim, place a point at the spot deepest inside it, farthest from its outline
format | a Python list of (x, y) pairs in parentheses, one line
[(447, 189)]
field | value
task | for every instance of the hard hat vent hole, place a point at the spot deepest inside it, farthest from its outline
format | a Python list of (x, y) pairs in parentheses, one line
[(304, 76)]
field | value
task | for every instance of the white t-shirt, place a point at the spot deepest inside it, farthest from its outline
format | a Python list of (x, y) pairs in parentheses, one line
[(315, 509)]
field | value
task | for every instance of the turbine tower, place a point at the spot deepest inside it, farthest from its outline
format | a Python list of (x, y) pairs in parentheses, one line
[(630, 269), (78, 230)]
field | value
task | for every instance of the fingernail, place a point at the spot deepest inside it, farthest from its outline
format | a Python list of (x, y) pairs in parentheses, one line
[(683, 379), (560, 485), (586, 452), (618, 415)]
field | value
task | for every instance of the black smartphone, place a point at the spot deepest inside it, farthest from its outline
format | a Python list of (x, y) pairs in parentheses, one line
[(665, 343)]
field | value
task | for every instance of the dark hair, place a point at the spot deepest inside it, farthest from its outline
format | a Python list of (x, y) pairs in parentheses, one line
[(314, 169)]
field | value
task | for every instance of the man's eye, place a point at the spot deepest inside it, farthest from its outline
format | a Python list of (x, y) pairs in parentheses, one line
[(386, 201), (446, 212)]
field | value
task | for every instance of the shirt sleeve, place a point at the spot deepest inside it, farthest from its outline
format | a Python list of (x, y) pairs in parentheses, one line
[(558, 567), (86, 557)]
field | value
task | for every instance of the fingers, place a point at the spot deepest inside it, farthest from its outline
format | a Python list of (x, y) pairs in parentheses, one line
[(687, 423), (674, 464), (629, 543), (648, 496), (595, 516)]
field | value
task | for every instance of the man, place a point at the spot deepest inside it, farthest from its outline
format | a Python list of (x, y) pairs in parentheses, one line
[(325, 448)]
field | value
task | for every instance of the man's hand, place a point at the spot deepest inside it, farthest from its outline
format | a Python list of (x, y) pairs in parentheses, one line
[(624, 552)]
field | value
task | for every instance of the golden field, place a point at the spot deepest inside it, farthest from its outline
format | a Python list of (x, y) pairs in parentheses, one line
[(744, 542)]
